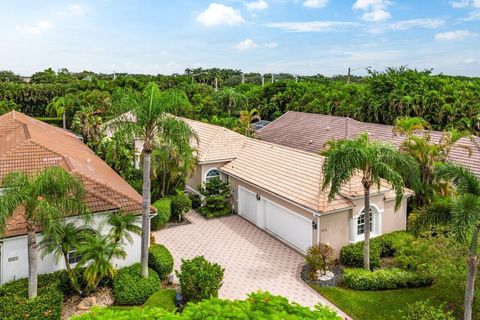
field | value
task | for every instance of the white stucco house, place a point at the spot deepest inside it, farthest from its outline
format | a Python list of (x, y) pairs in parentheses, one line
[(29, 145)]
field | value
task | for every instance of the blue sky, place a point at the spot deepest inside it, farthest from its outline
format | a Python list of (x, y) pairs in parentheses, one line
[(295, 36)]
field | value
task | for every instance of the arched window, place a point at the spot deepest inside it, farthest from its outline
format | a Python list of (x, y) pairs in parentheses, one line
[(361, 222), (212, 173)]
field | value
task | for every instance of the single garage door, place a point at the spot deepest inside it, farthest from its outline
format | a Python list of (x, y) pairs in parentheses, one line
[(247, 204), (291, 227)]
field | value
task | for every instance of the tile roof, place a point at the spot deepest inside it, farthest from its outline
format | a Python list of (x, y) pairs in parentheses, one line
[(310, 132), (215, 143), (29, 145)]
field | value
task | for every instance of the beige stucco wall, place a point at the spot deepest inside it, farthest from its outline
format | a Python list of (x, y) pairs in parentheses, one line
[(335, 229), (394, 220)]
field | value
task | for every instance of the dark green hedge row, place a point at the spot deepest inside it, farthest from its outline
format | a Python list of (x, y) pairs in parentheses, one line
[(382, 279), (164, 213)]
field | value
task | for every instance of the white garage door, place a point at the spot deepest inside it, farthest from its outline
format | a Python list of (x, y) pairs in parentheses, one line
[(293, 228), (248, 204)]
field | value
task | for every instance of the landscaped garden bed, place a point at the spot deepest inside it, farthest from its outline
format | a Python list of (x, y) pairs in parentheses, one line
[(425, 273)]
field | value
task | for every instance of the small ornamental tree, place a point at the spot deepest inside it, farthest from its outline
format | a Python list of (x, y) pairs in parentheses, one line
[(319, 258)]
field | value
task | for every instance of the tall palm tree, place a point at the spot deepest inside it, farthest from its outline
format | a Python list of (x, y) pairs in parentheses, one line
[(375, 161), (151, 112), (461, 214), (97, 254), (61, 240), (230, 99), (46, 198), (245, 122), (123, 226)]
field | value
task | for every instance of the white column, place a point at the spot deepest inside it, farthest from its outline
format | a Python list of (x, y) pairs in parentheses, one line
[(353, 229)]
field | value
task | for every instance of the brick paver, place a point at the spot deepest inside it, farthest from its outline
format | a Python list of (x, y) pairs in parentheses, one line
[(253, 260)]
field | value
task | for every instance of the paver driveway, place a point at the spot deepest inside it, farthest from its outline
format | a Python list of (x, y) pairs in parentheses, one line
[(253, 260)]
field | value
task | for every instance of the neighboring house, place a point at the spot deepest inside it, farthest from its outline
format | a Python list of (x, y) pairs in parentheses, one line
[(279, 190), (30, 145), (310, 132)]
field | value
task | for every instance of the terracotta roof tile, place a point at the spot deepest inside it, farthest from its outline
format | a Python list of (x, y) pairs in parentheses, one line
[(30, 145)]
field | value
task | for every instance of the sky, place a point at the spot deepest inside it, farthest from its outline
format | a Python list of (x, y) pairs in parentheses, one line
[(303, 37)]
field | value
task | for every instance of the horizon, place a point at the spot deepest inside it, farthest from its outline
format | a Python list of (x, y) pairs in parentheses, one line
[(300, 37)]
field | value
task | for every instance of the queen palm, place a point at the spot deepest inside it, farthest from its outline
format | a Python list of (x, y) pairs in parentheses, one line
[(46, 198), (151, 112), (375, 161), (123, 226), (460, 213)]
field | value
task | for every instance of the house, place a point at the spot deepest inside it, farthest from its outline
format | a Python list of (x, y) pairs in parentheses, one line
[(30, 145), (278, 189), (310, 132)]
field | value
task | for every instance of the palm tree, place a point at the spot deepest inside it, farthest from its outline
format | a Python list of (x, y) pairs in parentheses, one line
[(46, 198), (376, 161), (230, 99), (59, 106), (461, 214), (245, 122), (97, 254), (61, 240), (123, 226), (151, 113)]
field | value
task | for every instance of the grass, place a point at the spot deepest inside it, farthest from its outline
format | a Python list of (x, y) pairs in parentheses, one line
[(164, 298)]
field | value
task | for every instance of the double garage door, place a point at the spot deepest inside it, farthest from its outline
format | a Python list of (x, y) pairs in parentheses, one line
[(289, 226)]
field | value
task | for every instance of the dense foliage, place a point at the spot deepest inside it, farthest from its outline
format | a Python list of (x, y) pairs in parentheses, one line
[(180, 205), (130, 288), (261, 306), (160, 260), (200, 279), (423, 310), (217, 199), (15, 305), (164, 213)]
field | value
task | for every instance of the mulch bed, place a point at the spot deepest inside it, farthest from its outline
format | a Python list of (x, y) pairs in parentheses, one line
[(103, 295), (337, 271)]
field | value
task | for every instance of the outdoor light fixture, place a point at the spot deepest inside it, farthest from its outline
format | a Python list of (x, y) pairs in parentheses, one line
[(314, 225), (258, 197)]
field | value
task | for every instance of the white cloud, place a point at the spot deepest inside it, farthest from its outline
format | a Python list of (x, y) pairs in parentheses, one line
[(472, 16), (37, 29), (249, 44), (315, 3), (469, 60), (257, 5), (428, 23), (374, 10), (77, 9), (218, 14), (454, 35), (246, 44), (458, 4), (311, 26)]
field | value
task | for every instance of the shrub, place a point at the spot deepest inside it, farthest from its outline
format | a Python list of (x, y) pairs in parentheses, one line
[(319, 258), (15, 305), (360, 279), (199, 279), (180, 205), (352, 255), (423, 310), (160, 260), (215, 206), (164, 298), (130, 288), (164, 213), (256, 306), (390, 243), (196, 201)]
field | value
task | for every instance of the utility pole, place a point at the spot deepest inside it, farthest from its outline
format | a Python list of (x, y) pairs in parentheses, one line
[(348, 75), (272, 78), (243, 78), (263, 80), (216, 84)]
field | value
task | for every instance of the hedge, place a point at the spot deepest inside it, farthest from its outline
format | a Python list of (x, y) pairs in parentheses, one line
[(180, 204), (160, 260), (424, 310), (15, 305), (382, 279), (130, 288), (382, 246), (261, 306), (164, 213)]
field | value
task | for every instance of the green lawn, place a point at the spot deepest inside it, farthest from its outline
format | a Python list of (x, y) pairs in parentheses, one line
[(386, 304)]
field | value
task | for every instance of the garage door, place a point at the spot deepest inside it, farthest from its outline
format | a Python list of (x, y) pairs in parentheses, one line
[(248, 204), (291, 227)]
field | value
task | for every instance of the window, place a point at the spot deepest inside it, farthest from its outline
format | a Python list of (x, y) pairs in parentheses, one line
[(361, 223), (74, 257), (212, 173)]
